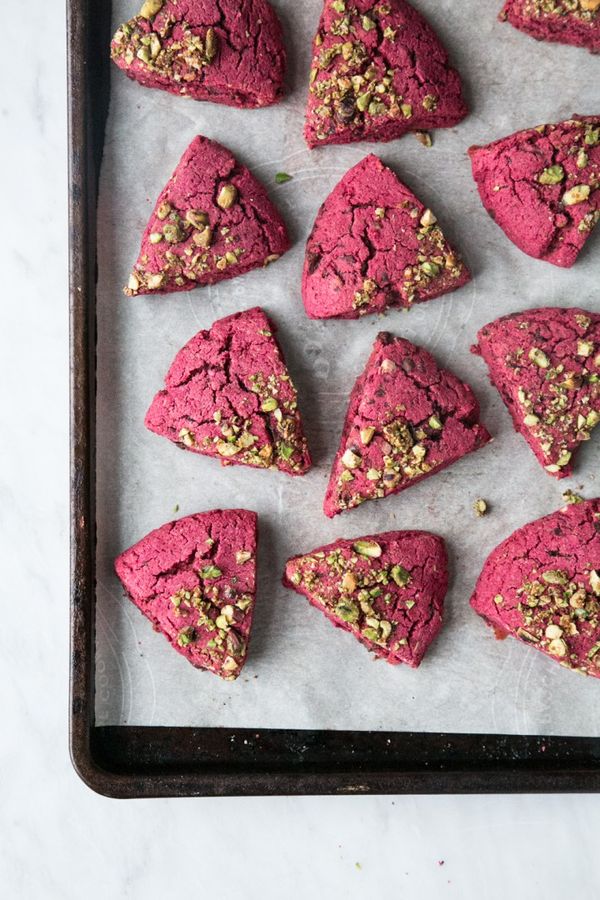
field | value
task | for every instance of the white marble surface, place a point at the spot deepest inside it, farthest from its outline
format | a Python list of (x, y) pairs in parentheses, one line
[(58, 840)]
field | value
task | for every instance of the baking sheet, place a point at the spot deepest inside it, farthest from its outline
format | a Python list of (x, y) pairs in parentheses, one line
[(301, 673)]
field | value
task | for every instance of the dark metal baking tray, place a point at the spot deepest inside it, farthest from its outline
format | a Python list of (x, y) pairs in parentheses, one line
[(123, 761)]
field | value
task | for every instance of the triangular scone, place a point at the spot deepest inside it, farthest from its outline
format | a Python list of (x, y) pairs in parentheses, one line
[(575, 22), (374, 245), (228, 394), (195, 579), (546, 366), (386, 589), (542, 586), (541, 187), (378, 72), (407, 419), (229, 52), (212, 221)]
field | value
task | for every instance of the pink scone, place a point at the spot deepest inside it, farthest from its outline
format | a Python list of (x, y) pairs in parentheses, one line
[(546, 365), (195, 579), (407, 419), (541, 187), (228, 394), (227, 51), (575, 22), (542, 586), (375, 245), (212, 221), (378, 72), (386, 589)]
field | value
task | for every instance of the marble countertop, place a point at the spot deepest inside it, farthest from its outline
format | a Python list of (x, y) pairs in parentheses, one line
[(58, 839)]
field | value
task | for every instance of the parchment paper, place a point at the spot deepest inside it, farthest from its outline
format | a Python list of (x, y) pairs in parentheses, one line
[(301, 672)]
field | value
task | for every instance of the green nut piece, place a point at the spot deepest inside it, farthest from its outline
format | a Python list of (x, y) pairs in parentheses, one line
[(227, 196), (552, 175)]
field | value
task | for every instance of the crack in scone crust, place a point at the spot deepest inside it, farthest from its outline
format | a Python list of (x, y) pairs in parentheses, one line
[(575, 22), (386, 589), (541, 187), (375, 245), (195, 580), (378, 72), (542, 586), (219, 50), (228, 394), (546, 365), (406, 420)]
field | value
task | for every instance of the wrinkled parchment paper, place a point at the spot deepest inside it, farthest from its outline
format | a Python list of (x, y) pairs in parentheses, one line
[(301, 672)]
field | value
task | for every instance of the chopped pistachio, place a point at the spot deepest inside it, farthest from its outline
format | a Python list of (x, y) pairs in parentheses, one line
[(530, 420), (424, 138), (186, 636), (585, 348), (577, 194), (538, 357), (210, 44), (366, 435), (367, 548), (571, 497), (210, 573), (348, 611), (150, 8), (197, 218), (557, 647), (552, 175), (156, 237), (554, 576), (163, 210), (595, 582), (349, 582), (428, 218), (435, 423), (282, 177), (582, 159), (351, 459), (480, 506), (242, 556), (430, 269), (400, 575), (286, 451), (269, 404), (227, 196), (363, 101)]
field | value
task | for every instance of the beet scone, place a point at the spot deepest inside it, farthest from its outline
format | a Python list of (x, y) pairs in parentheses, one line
[(407, 419), (575, 22), (375, 245), (228, 394), (546, 366), (229, 51), (386, 589), (212, 221), (195, 579), (541, 187), (542, 586), (378, 72)]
